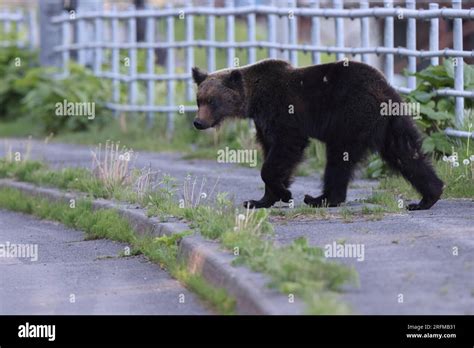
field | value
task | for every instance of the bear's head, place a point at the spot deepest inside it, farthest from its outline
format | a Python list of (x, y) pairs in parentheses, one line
[(219, 95)]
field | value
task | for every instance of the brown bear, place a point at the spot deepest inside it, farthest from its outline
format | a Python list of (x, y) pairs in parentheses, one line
[(336, 103)]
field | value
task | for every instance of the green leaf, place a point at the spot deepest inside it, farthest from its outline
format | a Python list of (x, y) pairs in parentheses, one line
[(436, 76), (445, 104), (449, 66), (435, 115), (468, 76), (441, 142), (422, 97), (428, 145)]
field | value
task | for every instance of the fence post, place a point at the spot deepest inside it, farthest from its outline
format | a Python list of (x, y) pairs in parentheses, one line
[(339, 29), (98, 39), (283, 35), (50, 36), (411, 44), (434, 35), (388, 42), (272, 31), (364, 31), (132, 52), (81, 38), (150, 66), (170, 71), (251, 22), (85, 30), (189, 52), (293, 33), (211, 37), (32, 27), (315, 34), (459, 66), (66, 36), (230, 33), (115, 59)]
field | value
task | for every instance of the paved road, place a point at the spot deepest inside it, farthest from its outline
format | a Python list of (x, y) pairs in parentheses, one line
[(409, 254), (75, 276)]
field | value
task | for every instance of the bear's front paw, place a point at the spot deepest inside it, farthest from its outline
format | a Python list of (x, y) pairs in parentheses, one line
[(257, 204)]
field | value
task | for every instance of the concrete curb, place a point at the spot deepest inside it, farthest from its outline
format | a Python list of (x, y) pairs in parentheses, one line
[(201, 256)]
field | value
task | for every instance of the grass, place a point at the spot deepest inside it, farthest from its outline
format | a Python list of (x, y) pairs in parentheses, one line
[(107, 223), (345, 213), (459, 182), (456, 171), (297, 269)]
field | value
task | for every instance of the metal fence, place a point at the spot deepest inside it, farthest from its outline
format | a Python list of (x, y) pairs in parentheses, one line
[(113, 40), (22, 23)]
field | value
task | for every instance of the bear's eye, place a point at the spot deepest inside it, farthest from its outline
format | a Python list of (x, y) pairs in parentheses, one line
[(211, 101)]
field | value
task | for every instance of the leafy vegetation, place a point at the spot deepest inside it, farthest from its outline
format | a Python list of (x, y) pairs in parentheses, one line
[(437, 113), (14, 65), (43, 92)]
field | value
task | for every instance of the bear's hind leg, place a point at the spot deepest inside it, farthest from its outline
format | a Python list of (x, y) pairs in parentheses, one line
[(402, 151), (415, 168)]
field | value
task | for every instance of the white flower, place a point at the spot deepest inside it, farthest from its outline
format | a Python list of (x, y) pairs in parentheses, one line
[(465, 162), (241, 217), (451, 159), (472, 158), (445, 158), (456, 164)]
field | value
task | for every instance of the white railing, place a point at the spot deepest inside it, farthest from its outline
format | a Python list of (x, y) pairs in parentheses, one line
[(107, 30)]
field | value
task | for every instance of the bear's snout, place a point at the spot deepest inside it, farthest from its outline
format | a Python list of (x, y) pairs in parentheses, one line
[(200, 124)]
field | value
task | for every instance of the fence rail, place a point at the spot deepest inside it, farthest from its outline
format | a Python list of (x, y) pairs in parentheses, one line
[(279, 11), (99, 37)]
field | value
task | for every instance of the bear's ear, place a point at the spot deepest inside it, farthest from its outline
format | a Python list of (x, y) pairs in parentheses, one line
[(234, 79), (199, 75)]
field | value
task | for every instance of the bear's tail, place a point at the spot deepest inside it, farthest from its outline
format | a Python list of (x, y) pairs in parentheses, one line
[(402, 151)]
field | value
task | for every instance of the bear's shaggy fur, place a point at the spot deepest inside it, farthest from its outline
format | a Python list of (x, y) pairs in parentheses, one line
[(338, 104)]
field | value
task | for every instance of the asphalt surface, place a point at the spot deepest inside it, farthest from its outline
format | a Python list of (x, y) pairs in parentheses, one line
[(70, 275), (425, 256)]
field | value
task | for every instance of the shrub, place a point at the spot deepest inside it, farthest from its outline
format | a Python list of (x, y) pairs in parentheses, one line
[(14, 64), (437, 113), (44, 90)]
